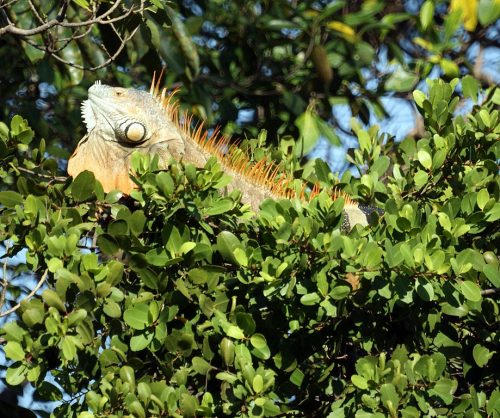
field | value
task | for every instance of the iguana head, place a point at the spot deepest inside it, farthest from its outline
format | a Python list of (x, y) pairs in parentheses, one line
[(128, 116), (120, 121)]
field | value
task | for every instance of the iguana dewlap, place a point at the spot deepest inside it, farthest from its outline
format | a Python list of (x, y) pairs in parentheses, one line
[(120, 121)]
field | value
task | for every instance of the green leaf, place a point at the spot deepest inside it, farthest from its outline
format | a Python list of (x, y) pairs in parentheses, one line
[(297, 377), (309, 131), (421, 178), (310, 299), (127, 374), (187, 46), (425, 289), (389, 396), (157, 257), (257, 383), (14, 351), (401, 81), (364, 140), (246, 322), (68, 349), (200, 365), (112, 309), (136, 222), (444, 388), (449, 67), (219, 207), (471, 291), (426, 14), (20, 130), (83, 3), (328, 132), (419, 98), (76, 317), (258, 341), (470, 87), (137, 317), (51, 298), (240, 257), (33, 54), (425, 159), (380, 165), (227, 377), (235, 332), (141, 341), (482, 198), (165, 183), (340, 292), (482, 355), (16, 375), (227, 350), (227, 242), (49, 391), (359, 381), (107, 244), (71, 53), (492, 272), (488, 12), (83, 186), (10, 199)]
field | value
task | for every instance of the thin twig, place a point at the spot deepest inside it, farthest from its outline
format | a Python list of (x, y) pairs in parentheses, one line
[(31, 294), (5, 282), (488, 292), (104, 64), (102, 19), (59, 179), (52, 45)]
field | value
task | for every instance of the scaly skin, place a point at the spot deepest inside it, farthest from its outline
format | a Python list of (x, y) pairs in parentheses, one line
[(120, 121)]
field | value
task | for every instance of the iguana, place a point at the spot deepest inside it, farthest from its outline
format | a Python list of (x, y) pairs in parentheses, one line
[(122, 120)]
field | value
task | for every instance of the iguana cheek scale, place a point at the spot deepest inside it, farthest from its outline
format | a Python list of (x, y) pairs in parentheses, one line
[(120, 121)]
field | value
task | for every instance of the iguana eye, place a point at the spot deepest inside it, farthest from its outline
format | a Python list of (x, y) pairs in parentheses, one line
[(119, 92), (135, 132)]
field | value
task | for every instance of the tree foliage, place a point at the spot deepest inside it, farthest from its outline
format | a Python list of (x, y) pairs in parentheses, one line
[(285, 63), (176, 301)]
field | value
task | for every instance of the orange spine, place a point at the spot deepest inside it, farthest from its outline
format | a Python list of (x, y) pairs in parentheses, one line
[(260, 173)]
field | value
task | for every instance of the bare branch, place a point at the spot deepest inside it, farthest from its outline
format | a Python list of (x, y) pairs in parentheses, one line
[(102, 19), (29, 296), (57, 179), (104, 64), (52, 44), (5, 282), (488, 292)]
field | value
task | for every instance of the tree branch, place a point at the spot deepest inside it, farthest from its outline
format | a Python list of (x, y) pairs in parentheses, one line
[(102, 19), (30, 295)]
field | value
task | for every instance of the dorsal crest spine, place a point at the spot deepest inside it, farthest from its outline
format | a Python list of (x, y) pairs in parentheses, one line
[(263, 173)]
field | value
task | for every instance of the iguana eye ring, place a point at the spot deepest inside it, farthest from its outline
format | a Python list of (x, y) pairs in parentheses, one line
[(135, 132)]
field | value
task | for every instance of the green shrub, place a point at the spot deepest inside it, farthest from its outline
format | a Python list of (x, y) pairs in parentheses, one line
[(179, 302)]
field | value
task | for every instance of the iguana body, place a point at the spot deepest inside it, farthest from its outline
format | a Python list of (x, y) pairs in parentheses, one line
[(120, 121)]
